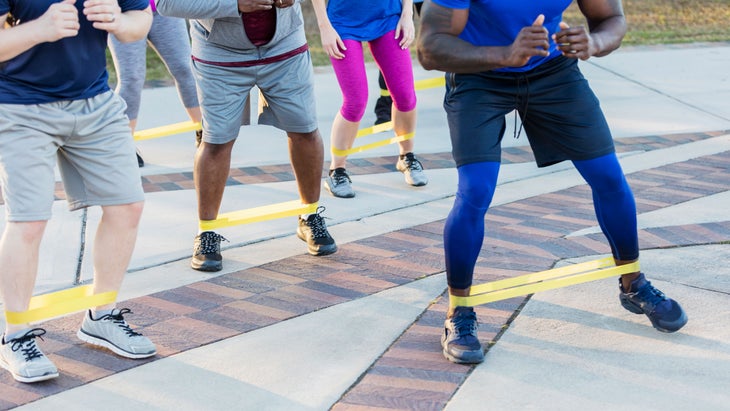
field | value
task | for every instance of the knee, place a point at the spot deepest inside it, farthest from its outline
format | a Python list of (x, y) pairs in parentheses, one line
[(406, 102), (127, 215), (353, 109), (27, 231)]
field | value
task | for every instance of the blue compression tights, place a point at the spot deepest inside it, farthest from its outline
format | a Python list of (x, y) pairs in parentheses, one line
[(464, 228)]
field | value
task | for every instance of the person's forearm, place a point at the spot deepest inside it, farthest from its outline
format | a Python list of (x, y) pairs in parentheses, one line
[(607, 35), (320, 11), (198, 9), (451, 54), (18, 39), (134, 26), (407, 8)]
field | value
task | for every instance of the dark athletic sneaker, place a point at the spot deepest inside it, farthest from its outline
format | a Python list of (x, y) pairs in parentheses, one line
[(207, 252), (665, 314), (460, 343), (314, 232)]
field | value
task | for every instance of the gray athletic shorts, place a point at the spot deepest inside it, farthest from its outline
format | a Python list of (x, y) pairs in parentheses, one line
[(287, 88), (90, 139)]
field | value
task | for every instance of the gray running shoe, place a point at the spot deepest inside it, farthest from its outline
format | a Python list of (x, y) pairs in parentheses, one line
[(25, 361), (412, 170), (459, 341), (338, 183), (112, 331)]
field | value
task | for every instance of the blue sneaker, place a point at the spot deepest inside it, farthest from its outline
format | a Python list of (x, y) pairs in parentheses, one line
[(460, 343), (665, 314)]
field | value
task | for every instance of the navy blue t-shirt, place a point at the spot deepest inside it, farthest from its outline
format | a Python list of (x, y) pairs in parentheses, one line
[(72, 68), (498, 22)]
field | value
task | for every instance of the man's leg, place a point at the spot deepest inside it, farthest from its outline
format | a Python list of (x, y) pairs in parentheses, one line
[(210, 172), (463, 237), (19, 248), (113, 246), (306, 152), (307, 155), (19, 353), (616, 213)]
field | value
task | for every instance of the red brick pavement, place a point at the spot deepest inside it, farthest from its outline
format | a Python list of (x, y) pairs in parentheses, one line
[(525, 236)]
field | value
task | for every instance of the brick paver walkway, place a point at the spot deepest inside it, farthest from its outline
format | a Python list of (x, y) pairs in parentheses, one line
[(524, 236)]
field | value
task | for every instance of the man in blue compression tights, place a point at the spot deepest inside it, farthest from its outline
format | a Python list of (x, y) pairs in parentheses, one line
[(497, 56)]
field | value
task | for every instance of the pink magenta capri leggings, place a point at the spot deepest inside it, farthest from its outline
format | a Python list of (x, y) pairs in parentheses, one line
[(395, 64)]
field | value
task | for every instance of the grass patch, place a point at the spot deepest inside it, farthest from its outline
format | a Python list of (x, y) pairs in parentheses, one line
[(650, 22)]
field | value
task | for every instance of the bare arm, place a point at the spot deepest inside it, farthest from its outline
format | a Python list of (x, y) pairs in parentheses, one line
[(440, 48), (59, 21), (132, 25), (332, 44), (405, 30), (606, 29)]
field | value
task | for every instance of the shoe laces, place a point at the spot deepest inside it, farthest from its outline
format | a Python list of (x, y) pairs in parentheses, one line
[(117, 317), (412, 162), (650, 295), (26, 344), (340, 177), (465, 324), (209, 242), (316, 224)]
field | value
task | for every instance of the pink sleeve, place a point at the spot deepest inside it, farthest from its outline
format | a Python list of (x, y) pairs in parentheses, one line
[(152, 4)]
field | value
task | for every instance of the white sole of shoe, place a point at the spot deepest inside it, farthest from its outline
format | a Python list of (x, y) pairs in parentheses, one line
[(107, 344)]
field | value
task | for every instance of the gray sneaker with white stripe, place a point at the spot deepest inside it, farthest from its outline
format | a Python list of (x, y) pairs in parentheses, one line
[(112, 331), (26, 362)]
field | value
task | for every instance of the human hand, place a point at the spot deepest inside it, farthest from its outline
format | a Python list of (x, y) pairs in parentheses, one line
[(247, 6), (332, 44), (104, 14), (406, 31), (282, 4), (574, 42), (61, 20), (531, 41)]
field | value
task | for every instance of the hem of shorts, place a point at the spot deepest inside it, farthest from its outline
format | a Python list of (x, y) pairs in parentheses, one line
[(587, 156), (26, 218), (78, 205), (294, 129)]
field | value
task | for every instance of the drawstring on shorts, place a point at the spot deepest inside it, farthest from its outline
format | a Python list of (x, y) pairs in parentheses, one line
[(520, 79)]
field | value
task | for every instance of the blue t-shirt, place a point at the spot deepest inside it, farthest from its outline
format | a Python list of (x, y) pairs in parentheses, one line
[(364, 20), (498, 22), (72, 68)]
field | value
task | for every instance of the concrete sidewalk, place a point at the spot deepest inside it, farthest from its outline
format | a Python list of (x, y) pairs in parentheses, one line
[(280, 330)]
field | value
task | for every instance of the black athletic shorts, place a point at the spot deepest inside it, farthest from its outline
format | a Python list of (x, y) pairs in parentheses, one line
[(560, 114)]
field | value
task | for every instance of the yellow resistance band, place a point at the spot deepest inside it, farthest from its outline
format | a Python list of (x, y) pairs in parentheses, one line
[(58, 303), (396, 139), (167, 130), (422, 85), (543, 280), (256, 214)]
